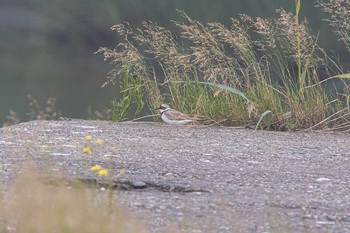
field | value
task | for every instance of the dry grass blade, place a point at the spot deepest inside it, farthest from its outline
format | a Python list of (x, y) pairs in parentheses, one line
[(272, 64), (33, 206), (339, 18)]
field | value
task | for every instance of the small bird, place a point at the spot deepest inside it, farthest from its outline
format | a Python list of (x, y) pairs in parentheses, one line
[(171, 116)]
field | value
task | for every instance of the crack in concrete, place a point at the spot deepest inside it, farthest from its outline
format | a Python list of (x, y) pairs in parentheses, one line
[(125, 185)]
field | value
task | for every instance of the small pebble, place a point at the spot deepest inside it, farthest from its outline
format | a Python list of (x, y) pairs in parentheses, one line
[(138, 184), (325, 222), (322, 179)]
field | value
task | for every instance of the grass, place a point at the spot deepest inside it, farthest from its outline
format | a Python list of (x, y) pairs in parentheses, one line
[(43, 201), (36, 111), (339, 18), (262, 73), (32, 204), (49, 111)]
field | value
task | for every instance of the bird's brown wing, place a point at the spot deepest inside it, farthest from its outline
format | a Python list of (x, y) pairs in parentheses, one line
[(176, 115)]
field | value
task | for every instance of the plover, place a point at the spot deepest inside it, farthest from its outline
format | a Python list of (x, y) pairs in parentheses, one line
[(174, 117)]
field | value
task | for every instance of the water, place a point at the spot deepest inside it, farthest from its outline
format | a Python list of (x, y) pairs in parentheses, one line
[(47, 46)]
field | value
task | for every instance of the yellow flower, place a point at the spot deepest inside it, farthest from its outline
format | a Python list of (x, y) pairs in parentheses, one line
[(88, 137), (99, 141), (86, 150), (95, 168), (103, 172)]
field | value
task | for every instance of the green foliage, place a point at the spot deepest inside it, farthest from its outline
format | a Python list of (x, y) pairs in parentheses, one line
[(230, 89), (131, 93), (262, 117), (241, 75)]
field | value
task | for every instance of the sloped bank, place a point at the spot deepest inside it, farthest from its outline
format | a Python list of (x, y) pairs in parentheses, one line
[(198, 179)]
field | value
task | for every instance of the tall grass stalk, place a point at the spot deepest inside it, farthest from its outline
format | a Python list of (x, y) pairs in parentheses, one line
[(232, 75), (339, 18), (297, 9)]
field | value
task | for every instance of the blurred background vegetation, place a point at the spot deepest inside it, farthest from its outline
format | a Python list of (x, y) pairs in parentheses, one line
[(47, 47)]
